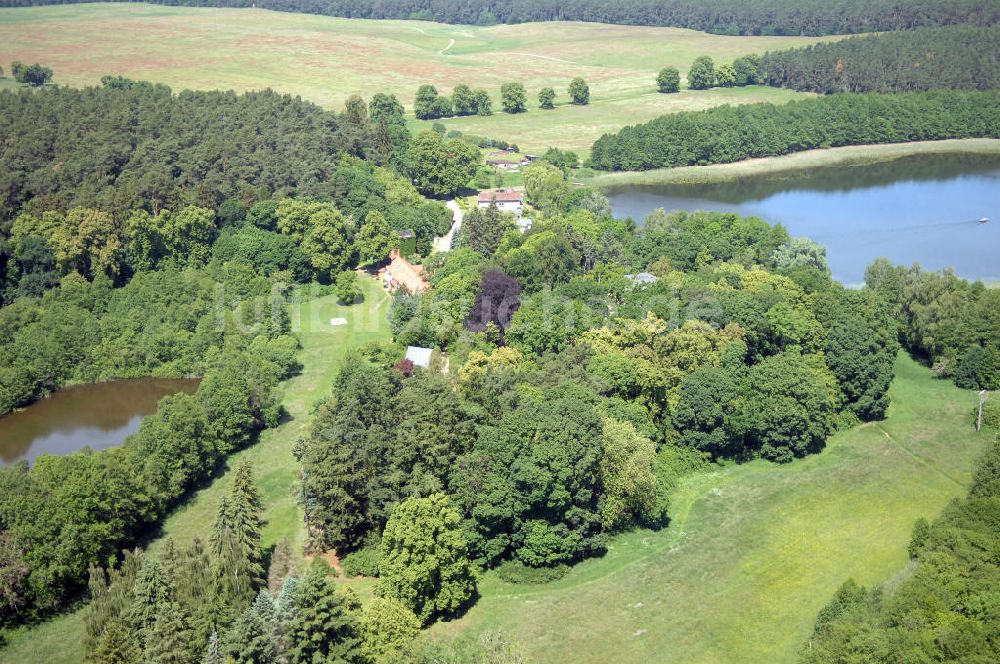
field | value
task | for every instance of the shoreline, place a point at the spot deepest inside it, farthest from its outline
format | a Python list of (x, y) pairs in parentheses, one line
[(851, 155)]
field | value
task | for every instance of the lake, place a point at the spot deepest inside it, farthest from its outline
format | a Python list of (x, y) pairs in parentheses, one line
[(98, 415), (924, 209)]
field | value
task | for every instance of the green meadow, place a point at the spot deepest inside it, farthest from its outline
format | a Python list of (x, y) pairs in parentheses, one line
[(754, 550), (327, 59)]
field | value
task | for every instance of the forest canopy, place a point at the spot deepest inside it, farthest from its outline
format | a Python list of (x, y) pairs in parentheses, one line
[(958, 57), (732, 133)]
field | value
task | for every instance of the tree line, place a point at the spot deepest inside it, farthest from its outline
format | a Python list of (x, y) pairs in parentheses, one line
[(944, 609), (728, 17), (958, 57), (430, 105), (726, 134), (131, 144), (949, 322)]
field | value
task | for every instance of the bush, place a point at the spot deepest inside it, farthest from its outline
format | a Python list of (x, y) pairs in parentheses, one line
[(363, 562), (513, 571), (991, 413)]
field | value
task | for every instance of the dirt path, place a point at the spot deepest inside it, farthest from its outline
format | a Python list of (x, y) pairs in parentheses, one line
[(544, 57), (450, 44)]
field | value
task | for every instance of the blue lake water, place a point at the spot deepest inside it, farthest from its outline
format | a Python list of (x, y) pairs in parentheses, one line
[(922, 209)]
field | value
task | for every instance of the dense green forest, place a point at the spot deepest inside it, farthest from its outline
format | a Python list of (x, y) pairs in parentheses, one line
[(726, 133), (101, 280), (958, 57), (127, 145), (729, 17), (946, 610), (581, 395)]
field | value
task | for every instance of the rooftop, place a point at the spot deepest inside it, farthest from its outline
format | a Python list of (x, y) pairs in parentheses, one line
[(642, 278), (501, 196), (421, 357)]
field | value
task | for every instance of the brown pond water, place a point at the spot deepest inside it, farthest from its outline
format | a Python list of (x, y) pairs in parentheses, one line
[(97, 415)]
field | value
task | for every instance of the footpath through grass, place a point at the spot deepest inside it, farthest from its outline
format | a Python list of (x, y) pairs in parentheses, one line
[(753, 551), (323, 347)]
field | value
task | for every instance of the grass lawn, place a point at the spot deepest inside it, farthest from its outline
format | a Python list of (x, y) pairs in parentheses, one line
[(754, 551), (853, 155), (328, 59), (323, 347)]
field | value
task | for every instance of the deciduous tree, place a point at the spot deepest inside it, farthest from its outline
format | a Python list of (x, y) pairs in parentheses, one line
[(668, 80), (546, 98), (701, 76), (423, 558), (579, 91), (513, 97)]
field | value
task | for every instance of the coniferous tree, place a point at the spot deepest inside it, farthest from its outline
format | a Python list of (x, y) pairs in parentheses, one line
[(285, 609), (150, 596), (111, 597), (99, 611), (171, 640), (236, 552), (194, 586), (249, 639), (326, 626), (213, 654), (115, 646)]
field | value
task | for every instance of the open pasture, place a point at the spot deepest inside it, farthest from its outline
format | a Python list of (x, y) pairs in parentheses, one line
[(754, 550), (328, 59)]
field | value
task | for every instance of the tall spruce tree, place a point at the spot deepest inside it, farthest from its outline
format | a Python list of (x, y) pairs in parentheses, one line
[(171, 640), (111, 597), (326, 627), (236, 553), (150, 596), (115, 647), (213, 654), (285, 610), (249, 639)]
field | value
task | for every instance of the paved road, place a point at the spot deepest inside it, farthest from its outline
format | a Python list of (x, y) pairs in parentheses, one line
[(443, 243)]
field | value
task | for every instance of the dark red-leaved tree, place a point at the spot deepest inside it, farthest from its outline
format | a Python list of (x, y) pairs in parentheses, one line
[(498, 298)]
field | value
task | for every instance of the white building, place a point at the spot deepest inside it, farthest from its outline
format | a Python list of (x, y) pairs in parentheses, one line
[(506, 200)]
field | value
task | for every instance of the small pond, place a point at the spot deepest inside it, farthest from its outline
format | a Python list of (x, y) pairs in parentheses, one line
[(97, 415)]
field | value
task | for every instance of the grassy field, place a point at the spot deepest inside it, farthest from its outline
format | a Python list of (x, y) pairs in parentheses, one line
[(854, 155), (323, 347), (754, 551), (328, 59)]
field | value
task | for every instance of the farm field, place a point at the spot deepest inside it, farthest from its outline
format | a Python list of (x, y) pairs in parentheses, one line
[(328, 59), (276, 470), (755, 550)]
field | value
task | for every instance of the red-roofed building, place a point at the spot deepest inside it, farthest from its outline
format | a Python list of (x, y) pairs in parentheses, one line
[(506, 200)]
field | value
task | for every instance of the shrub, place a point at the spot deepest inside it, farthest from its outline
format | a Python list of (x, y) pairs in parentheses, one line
[(363, 562), (513, 571)]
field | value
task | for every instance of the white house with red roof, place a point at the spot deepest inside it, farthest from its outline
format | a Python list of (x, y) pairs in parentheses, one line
[(506, 200)]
